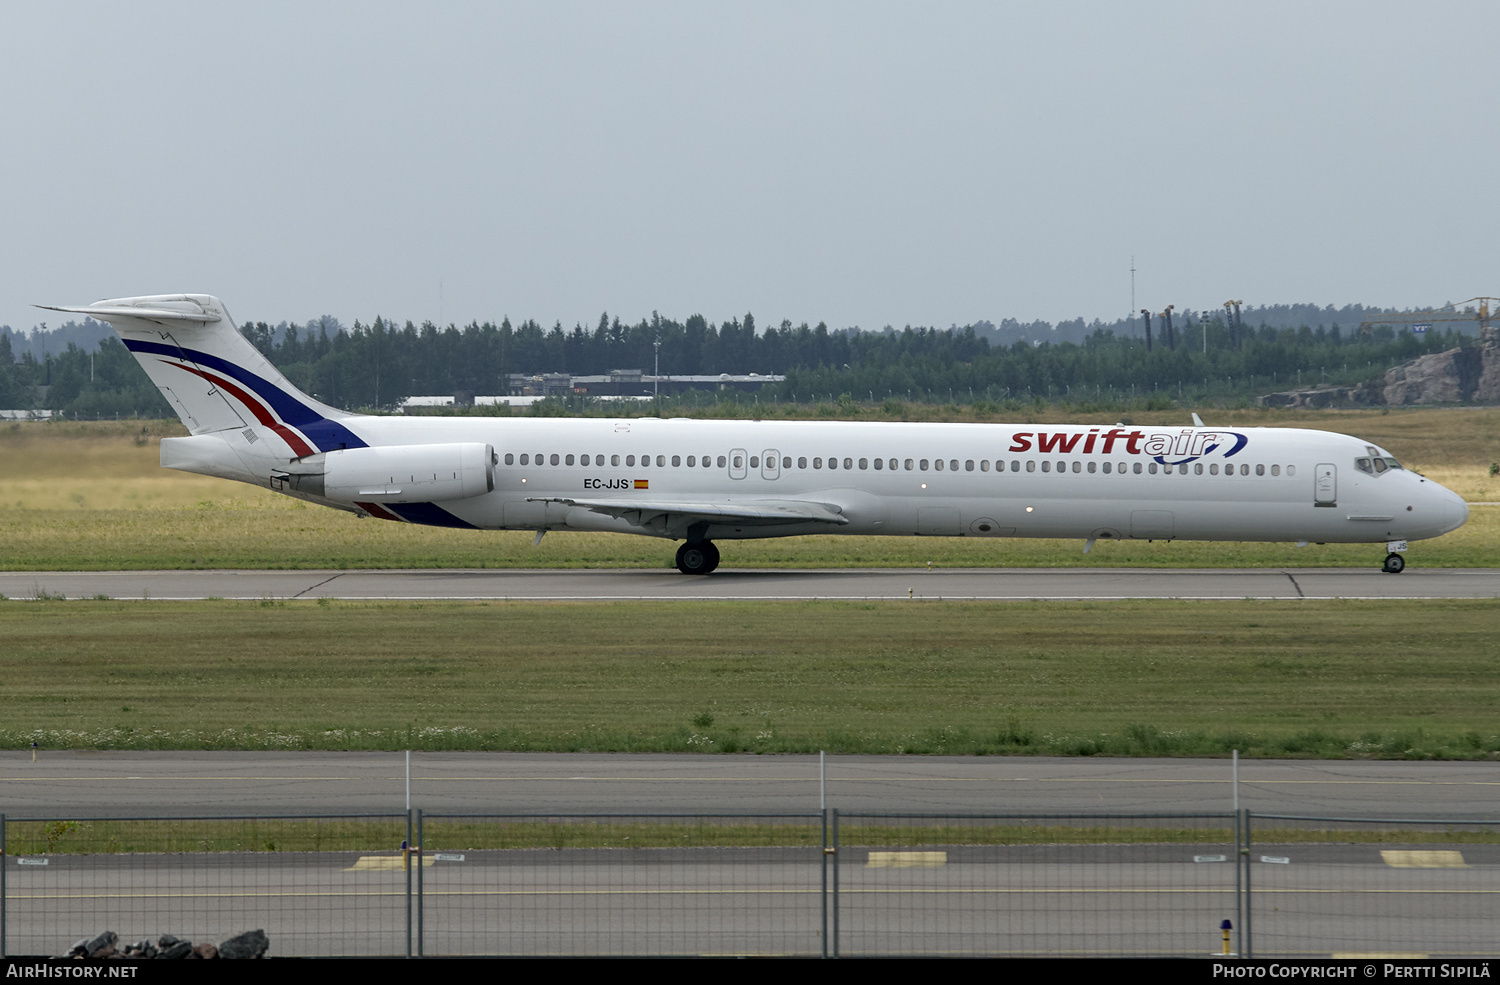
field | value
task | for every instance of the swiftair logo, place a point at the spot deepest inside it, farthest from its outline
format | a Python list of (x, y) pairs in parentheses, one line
[(1167, 448), (1190, 444)]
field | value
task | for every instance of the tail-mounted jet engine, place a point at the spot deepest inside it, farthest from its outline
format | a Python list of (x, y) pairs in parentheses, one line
[(393, 473)]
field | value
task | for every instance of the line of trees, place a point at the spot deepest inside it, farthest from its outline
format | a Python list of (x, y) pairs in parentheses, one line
[(1205, 361), (378, 365)]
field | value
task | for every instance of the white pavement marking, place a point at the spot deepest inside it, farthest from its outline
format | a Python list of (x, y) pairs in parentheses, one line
[(954, 584)]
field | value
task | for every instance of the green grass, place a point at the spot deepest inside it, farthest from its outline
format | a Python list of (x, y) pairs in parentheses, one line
[(63, 837), (1325, 679), (355, 835)]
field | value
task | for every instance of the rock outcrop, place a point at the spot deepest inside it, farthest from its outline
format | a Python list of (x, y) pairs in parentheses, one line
[(1469, 374)]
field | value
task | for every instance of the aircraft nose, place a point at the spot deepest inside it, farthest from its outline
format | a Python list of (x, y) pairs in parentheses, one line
[(1457, 511)]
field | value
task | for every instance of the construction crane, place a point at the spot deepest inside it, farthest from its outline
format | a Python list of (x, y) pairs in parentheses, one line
[(1447, 313), (1232, 322)]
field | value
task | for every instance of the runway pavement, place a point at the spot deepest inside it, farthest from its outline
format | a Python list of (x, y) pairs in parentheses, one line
[(634, 584), (99, 784), (1063, 898), (948, 898)]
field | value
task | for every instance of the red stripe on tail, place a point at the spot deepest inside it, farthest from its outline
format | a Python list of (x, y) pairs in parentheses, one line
[(262, 415)]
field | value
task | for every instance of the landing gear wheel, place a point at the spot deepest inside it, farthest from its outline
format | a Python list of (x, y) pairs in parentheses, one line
[(697, 559), (1394, 564)]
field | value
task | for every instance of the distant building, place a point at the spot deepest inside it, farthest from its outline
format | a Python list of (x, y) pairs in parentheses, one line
[(415, 403), (632, 383), (617, 384)]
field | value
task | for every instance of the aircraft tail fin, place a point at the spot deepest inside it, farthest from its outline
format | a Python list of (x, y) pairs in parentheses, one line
[(211, 374)]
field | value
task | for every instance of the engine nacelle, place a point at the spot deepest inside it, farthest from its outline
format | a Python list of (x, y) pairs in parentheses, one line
[(394, 473)]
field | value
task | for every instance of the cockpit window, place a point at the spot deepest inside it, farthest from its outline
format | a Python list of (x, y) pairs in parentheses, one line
[(1376, 463)]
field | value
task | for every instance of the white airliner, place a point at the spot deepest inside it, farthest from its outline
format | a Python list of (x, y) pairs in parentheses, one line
[(702, 481)]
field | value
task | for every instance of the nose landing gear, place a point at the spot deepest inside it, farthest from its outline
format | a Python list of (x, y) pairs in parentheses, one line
[(1394, 562), (697, 558)]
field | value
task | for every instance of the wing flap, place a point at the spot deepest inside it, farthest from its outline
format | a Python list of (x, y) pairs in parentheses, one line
[(752, 512)]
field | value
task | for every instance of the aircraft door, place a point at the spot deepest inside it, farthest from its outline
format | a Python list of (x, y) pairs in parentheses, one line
[(1153, 524), (737, 459), (770, 464), (1325, 485)]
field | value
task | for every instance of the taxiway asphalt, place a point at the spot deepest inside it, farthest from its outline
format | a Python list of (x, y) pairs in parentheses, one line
[(660, 584), (79, 784)]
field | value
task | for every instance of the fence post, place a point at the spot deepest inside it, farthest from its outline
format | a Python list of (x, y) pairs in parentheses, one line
[(1247, 948), (823, 873), (406, 860), (1239, 881), (2, 885), (835, 896), (421, 905)]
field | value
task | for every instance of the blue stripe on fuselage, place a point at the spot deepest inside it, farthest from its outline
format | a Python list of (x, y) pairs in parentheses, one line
[(427, 514), (325, 435)]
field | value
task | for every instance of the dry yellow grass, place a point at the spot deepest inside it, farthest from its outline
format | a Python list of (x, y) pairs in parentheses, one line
[(102, 467), (93, 495)]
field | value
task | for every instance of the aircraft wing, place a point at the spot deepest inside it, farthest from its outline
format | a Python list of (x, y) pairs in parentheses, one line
[(752, 512)]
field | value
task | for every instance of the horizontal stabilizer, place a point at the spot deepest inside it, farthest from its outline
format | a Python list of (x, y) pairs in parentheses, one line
[(216, 380), (104, 312)]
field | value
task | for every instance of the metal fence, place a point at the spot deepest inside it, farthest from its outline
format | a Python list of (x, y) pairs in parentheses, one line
[(318, 885), (1400, 888), (1025, 885), (829, 884), (622, 884)]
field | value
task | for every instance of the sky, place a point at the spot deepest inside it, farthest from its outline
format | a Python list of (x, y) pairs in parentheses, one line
[(862, 163)]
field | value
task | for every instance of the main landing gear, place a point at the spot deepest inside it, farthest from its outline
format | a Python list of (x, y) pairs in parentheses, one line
[(697, 558), (1394, 562)]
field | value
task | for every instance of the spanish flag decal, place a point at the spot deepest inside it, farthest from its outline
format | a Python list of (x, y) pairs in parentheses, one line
[(643, 483)]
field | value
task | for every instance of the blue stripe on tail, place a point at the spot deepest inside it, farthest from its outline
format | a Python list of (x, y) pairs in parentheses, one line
[(325, 435)]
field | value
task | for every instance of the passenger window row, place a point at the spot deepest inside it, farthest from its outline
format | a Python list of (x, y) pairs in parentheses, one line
[(630, 461), (918, 465)]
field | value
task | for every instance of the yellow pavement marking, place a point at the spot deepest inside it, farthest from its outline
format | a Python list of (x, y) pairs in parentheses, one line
[(383, 863), (1379, 955), (907, 860), (1423, 859)]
